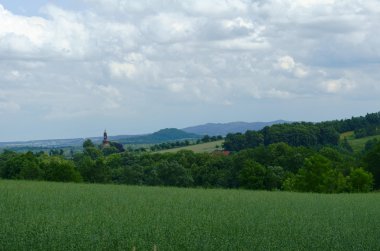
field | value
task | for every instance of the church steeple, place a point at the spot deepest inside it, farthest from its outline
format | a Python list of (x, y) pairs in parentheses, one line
[(105, 137)]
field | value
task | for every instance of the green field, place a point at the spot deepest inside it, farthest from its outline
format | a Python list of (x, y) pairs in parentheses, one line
[(348, 135), (358, 144), (58, 216), (198, 148)]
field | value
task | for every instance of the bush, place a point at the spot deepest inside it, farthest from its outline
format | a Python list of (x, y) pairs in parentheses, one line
[(360, 180), (57, 169)]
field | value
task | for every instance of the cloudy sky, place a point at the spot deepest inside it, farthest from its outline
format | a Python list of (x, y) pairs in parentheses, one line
[(71, 68)]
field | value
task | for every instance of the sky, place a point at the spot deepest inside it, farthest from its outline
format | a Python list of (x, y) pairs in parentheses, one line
[(71, 69)]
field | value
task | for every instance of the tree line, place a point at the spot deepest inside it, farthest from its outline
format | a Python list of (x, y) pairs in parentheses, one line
[(306, 157), (277, 166), (306, 134)]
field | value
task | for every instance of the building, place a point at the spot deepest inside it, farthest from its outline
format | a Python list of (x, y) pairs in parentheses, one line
[(105, 139)]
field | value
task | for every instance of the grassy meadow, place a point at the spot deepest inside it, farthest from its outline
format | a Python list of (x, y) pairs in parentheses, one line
[(62, 216), (198, 148), (358, 144)]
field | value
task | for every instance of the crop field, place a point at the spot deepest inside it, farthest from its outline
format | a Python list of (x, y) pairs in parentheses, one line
[(59, 216), (198, 148)]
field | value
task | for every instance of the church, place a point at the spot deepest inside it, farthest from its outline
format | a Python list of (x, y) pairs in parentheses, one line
[(106, 142), (109, 145)]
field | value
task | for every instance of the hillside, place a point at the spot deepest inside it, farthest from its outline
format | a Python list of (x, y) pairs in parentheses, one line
[(198, 148), (214, 129), (164, 135), (358, 145)]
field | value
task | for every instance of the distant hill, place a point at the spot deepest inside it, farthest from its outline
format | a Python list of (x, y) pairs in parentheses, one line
[(214, 129), (49, 143), (164, 135)]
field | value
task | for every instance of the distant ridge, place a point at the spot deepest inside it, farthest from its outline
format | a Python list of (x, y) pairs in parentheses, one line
[(214, 129), (163, 135)]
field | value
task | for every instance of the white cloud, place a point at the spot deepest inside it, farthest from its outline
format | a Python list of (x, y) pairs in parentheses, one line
[(312, 3), (126, 55), (216, 7), (337, 85), (287, 63), (121, 70), (176, 87), (168, 28), (275, 93), (300, 72), (63, 35)]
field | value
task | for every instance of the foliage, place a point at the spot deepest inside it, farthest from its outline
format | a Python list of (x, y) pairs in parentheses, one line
[(273, 167), (88, 143), (306, 134), (372, 163), (58, 169), (252, 175), (307, 157), (360, 180)]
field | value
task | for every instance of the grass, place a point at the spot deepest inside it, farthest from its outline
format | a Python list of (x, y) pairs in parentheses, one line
[(358, 144), (58, 216), (348, 135), (198, 148)]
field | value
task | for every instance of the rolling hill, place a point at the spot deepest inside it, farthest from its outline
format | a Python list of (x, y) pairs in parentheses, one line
[(214, 129), (161, 136), (164, 135)]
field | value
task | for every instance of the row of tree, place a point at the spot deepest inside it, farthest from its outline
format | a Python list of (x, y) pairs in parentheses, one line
[(295, 134), (306, 134), (277, 166), (307, 157), (363, 126)]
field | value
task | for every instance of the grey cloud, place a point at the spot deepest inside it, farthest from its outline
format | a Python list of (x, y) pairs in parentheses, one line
[(133, 57)]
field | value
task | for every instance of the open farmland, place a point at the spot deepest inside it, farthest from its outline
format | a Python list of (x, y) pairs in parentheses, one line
[(58, 216), (198, 148), (359, 144)]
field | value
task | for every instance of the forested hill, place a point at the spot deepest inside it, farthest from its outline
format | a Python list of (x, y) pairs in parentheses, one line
[(216, 129), (306, 133), (164, 135)]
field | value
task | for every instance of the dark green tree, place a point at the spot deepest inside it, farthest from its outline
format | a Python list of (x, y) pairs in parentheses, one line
[(360, 180), (252, 175), (58, 169)]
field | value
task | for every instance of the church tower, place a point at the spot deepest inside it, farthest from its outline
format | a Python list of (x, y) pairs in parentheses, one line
[(105, 138)]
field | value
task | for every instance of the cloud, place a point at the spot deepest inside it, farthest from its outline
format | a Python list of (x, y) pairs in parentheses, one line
[(176, 87), (337, 85), (7, 107), (216, 7), (150, 56), (63, 35), (287, 64), (120, 70), (168, 28)]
